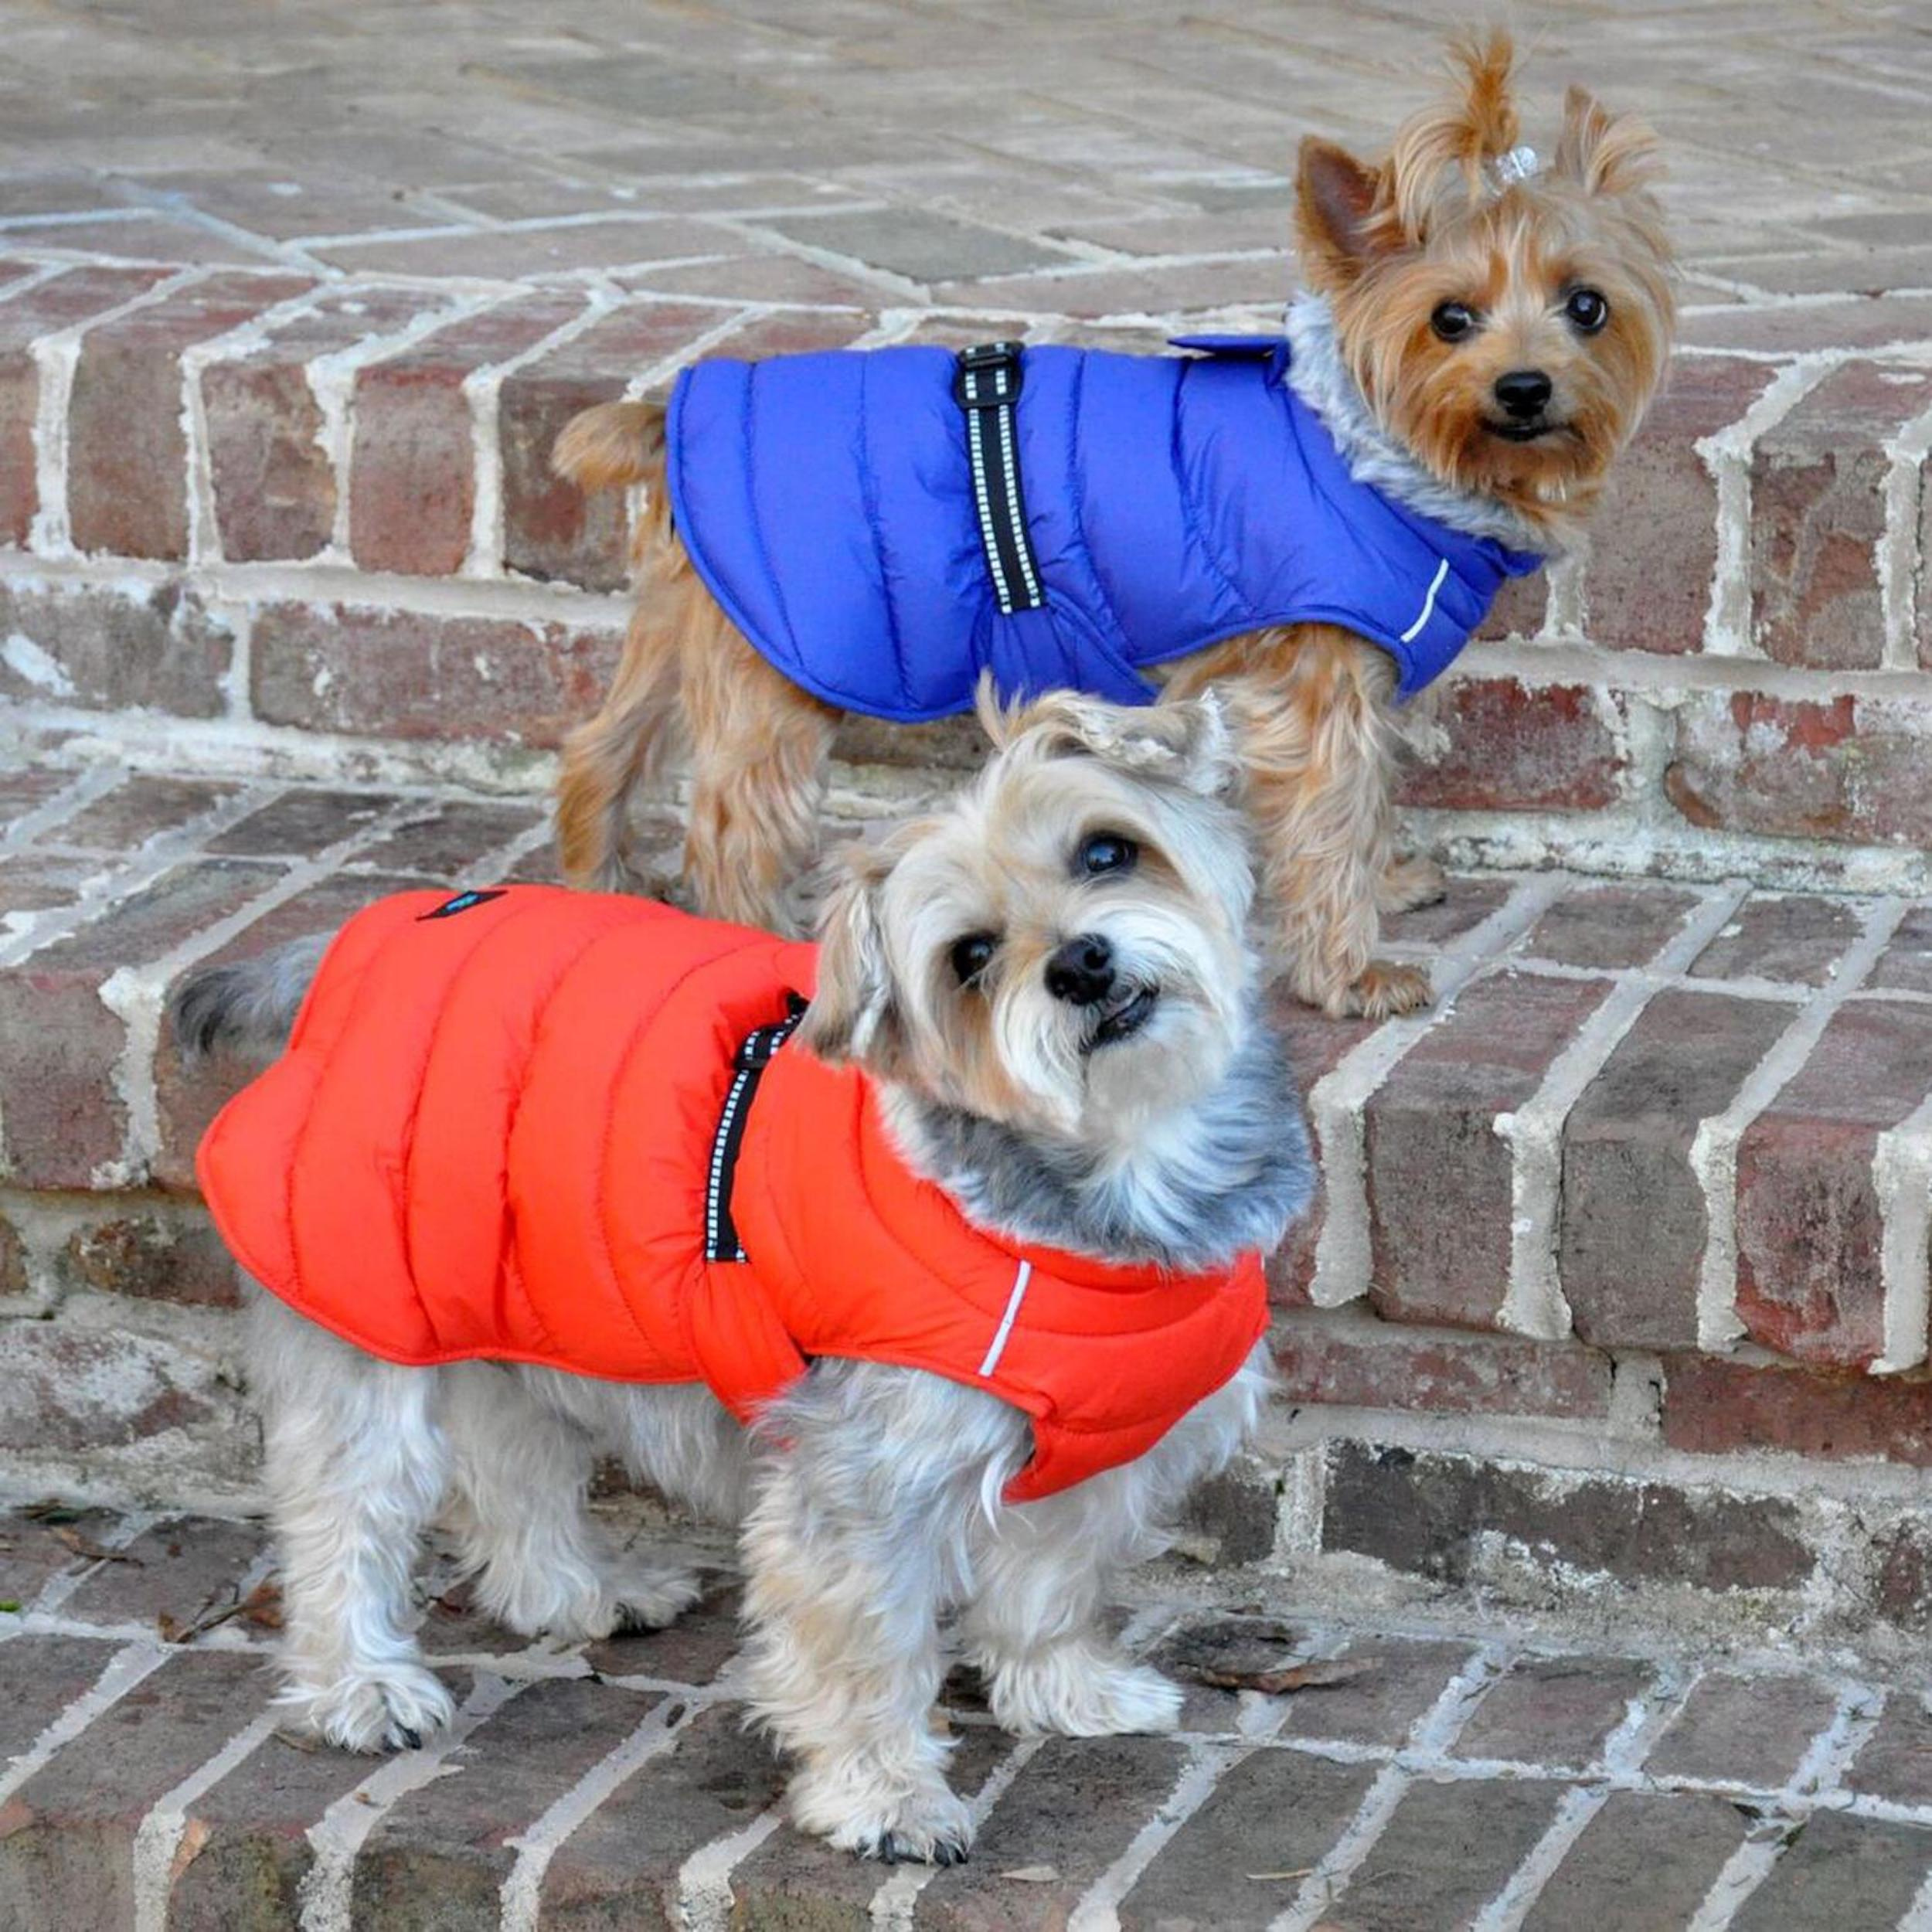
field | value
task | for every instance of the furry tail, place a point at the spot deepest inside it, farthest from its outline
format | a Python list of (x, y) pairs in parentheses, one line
[(248, 1007), (611, 446)]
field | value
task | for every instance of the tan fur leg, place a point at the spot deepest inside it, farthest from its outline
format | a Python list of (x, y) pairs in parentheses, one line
[(1312, 706), (759, 750), (1410, 883)]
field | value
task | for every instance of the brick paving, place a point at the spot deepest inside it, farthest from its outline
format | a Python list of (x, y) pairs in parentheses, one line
[(1466, 1781)]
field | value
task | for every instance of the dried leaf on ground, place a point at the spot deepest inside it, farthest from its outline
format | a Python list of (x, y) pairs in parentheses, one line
[(95, 1552)]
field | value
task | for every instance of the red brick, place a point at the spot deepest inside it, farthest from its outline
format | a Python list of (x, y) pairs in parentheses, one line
[(179, 1570), (1665, 1849), (1608, 926), (1520, 609), (1465, 903), (1713, 1407), (1798, 937), (59, 1045), (273, 477), (1841, 1871), (551, 528), (57, 304), (1907, 961), (1788, 328), (1654, 541), (1514, 746), (451, 840), (303, 822), (412, 480), (1439, 1175), (1633, 1224), (127, 459), (72, 1392), (143, 807), (1896, 1760), (40, 1676), (154, 1250), (1817, 513), (1846, 769), (396, 674), (160, 650), (1553, 1710), (1767, 1722), (1810, 1228), (188, 1097), (69, 1859), (1364, 1363)]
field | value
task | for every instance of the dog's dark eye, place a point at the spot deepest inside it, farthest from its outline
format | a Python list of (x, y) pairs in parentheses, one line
[(1106, 852), (1453, 320), (971, 955), (1587, 311)]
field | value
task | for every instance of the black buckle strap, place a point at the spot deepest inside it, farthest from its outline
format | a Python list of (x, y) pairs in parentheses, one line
[(986, 384), (754, 1055)]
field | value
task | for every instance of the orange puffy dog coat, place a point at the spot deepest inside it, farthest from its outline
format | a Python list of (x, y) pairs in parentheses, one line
[(533, 1125)]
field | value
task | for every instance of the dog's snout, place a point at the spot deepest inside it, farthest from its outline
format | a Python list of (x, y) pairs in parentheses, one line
[(1081, 971), (1524, 392)]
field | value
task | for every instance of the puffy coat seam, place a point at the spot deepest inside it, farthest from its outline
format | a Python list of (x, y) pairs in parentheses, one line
[(1190, 511), (869, 496)]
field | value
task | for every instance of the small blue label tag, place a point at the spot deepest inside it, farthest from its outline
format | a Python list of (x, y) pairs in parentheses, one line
[(460, 903)]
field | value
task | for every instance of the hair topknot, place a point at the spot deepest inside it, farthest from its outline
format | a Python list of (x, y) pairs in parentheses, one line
[(1464, 132)]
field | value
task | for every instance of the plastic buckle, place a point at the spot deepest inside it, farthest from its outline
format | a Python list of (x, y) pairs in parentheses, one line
[(993, 357)]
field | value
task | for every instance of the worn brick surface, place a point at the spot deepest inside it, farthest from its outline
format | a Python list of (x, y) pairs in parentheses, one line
[(413, 480), (1795, 937), (156, 1250), (1841, 768), (1810, 1225), (1608, 926), (1905, 964), (1555, 1710), (182, 1569), (1818, 514), (1644, 1863), (1442, 1251), (127, 459), (1761, 1726), (1896, 1761), (1369, 1364), (1447, 1517), (1633, 1218), (1858, 1874), (270, 468), (1712, 1406), (44, 1675), (67, 1858), (1515, 747), (158, 649), (144, 807)]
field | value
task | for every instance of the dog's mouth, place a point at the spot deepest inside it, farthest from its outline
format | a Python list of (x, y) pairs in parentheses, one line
[(1526, 432), (1124, 1016)]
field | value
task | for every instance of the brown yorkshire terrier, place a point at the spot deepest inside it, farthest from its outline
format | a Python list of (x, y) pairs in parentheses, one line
[(1480, 334)]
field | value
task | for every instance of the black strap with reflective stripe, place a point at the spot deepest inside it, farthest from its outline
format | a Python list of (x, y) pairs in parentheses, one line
[(721, 1242), (986, 386)]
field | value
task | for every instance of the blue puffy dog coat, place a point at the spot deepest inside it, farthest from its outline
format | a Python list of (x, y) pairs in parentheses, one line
[(829, 504)]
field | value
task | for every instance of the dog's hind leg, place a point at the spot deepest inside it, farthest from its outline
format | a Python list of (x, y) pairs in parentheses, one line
[(521, 1472), (356, 1465), (760, 746)]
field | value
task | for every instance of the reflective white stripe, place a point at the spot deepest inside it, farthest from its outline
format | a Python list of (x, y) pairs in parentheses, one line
[(1013, 1301), (1428, 604)]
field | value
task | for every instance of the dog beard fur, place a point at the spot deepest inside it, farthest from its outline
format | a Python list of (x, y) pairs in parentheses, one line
[(870, 1497)]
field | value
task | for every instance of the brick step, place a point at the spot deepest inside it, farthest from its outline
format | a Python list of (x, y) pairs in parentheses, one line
[(307, 511), (1447, 1773), (1644, 1199)]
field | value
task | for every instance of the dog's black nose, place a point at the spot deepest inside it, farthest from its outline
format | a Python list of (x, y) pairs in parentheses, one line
[(1081, 971), (1524, 393)]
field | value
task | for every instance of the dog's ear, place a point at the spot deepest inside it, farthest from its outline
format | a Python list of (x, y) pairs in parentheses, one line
[(1335, 205), (1185, 741), (1605, 154), (853, 1019)]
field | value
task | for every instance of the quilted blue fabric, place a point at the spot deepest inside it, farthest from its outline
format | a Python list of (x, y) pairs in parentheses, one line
[(1171, 501)]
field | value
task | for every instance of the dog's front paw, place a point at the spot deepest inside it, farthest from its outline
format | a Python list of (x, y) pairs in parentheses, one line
[(1078, 1691), (925, 1825), (1410, 883), (649, 1595), (1382, 991), (392, 1708), (588, 1605)]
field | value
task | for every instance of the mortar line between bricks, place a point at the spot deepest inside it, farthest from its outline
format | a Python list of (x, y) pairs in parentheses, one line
[(123, 1671), (1201, 1773), (1901, 1178), (656, 1733), (1339, 1101), (1727, 455), (58, 1587), (1818, 1772), (482, 388), (1918, 1914), (1733, 986), (1645, 1717), (204, 526), (56, 355), (1899, 557), (1430, 1736), (116, 883), (135, 995), (1534, 1303), (893, 1905), (178, 207), (158, 1836), (37, 279), (704, 1879), (1713, 1148), (326, 1899), (81, 790), (1566, 658), (330, 377)]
